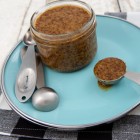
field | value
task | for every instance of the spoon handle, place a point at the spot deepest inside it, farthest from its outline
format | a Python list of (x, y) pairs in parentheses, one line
[(40, 75), (40, 72), (135, 77), (26, 78)]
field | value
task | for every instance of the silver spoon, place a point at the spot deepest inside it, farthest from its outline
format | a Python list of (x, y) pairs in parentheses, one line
[(44, 98), (133, 76)]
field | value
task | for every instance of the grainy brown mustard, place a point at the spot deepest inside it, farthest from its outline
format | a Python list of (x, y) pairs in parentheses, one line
[(62, 19), (69, 54), (110, 68)]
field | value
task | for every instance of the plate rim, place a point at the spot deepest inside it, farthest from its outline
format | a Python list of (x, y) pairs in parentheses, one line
[(57, 126)]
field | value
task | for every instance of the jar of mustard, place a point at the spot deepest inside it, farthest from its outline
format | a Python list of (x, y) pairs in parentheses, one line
[(65, 34)]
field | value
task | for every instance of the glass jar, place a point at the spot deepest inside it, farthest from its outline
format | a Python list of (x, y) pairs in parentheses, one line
[(70, 51)]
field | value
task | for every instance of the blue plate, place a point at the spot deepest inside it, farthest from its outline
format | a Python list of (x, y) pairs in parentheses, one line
[(82, 102)]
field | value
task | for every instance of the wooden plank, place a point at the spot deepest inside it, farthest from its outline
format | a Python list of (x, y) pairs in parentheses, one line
[(11, 14), (101, 6), (129, 5), (34, 6)]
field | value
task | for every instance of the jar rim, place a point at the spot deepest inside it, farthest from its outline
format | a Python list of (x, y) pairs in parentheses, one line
[(83, 28)]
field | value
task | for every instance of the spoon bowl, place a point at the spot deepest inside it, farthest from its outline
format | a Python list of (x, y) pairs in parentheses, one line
[(45, 99), (110, 66), (110, 70), (28, 40)]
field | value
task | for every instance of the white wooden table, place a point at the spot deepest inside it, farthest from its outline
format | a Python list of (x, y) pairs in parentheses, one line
[(15, 18)]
